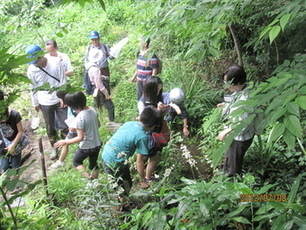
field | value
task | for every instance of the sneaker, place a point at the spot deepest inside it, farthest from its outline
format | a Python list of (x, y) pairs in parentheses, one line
[(154, 178), (54, 154), (57, 164)]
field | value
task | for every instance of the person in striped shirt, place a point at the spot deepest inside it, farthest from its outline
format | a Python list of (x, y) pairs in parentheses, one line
[(147, 66)]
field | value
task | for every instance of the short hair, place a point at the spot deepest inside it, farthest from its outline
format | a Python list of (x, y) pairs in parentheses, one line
[(51, 42), (150, 116), (235, 75), (145, 41), (76, 101)]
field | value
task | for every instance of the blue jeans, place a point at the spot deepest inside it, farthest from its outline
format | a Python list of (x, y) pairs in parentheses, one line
[(10, 161)]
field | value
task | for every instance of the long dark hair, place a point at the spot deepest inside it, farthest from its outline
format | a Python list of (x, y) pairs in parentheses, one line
[(151, 95)]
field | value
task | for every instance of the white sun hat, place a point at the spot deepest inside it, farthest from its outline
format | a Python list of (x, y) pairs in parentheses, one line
[(95, 55)]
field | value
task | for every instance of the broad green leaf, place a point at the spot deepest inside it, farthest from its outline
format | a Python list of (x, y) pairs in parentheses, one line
[(300, 220), (293, 124), (264, 209), (265, 189), (238, 210), (301, 101), (293, 108), (278, 223), (276, 132), (289, 138), (60, 34), (203, 208), (276, 114), (241, 219), (284, 20), (274, 32), (294, 189)]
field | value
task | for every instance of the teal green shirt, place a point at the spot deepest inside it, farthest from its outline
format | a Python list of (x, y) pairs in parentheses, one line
[(128, 139)]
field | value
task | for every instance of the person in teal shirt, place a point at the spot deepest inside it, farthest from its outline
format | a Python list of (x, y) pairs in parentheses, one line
[(130, 138)]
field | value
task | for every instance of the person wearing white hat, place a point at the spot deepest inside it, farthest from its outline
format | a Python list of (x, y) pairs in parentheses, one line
[(98, 53), (101, 90)]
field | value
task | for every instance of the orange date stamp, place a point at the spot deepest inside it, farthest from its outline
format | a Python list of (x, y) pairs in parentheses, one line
[(263, 197)]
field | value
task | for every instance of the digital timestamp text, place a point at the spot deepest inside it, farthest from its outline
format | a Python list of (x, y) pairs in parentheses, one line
[(263, 197)]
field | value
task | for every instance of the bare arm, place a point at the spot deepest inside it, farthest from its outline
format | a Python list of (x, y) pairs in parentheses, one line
[(141, 172), (133, 79), (154, 72), (77, 139), (185, 127), (11, 147)]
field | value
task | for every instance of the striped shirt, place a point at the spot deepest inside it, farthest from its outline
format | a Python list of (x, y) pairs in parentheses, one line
[(145, 67)]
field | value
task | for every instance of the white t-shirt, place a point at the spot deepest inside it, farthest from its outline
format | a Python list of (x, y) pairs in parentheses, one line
[(66, 63), (38, 77)]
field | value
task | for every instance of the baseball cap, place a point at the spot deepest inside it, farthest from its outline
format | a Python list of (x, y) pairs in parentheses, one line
[(33, 50), (94, 34)]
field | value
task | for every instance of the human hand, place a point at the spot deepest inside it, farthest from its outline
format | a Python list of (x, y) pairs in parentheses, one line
[(10, 149), (37, 108), (133, 79), (62, 104), (144, 185), (60, 144), (220, 105), (223, 134)]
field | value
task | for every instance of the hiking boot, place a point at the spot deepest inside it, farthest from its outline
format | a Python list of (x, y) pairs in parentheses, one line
[(57, 164), (54, 154)]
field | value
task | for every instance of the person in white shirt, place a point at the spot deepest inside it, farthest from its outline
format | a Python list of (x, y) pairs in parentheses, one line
[(52, 49), (235, 79), (42, 71)]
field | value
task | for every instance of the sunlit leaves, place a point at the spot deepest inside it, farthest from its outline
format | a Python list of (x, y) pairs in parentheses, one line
[(274, 32), (284, 20)]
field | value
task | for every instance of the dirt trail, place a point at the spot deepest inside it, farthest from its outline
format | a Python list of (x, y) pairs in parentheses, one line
[(31, 152)]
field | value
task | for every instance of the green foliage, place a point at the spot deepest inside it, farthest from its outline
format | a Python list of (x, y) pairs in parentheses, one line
[(218, 203)]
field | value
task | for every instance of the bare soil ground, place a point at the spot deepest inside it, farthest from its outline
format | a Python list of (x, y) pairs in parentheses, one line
[(31, 152)]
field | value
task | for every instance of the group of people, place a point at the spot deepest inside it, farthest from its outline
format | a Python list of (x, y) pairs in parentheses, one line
[(155, 108)]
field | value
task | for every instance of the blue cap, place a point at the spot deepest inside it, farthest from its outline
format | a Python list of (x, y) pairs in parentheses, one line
[(33, 50), (94, 34)]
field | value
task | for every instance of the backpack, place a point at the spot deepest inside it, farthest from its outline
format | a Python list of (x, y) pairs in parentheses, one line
[(89, 88), (158, 140)]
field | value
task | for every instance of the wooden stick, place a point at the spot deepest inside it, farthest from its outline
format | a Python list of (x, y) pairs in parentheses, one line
[(43, 165)]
